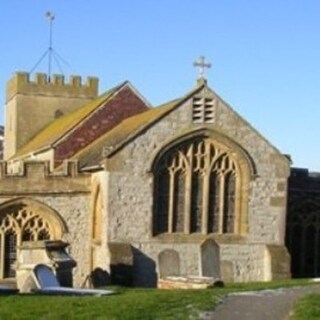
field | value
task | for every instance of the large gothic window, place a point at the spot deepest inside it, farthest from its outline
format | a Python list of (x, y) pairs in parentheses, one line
[(196, 189), (303, 237)]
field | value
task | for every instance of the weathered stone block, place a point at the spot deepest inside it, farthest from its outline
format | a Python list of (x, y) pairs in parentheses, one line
[(210, 259), (169, 263), (277, 263), (121, 263), (278, 201)]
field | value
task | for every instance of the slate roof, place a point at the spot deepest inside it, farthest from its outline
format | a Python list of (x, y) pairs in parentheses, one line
[(58, 128), (128, 129), (92, 155)]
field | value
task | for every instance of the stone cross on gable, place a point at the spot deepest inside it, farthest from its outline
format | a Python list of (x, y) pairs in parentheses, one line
[(202, 65)]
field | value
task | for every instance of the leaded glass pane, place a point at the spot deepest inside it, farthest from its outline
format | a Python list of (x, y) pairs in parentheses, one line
[(296, 249), (160, 221), (317, 251), (27, 236), (178, 202), (214, 209), (197, 202), (310, 237), (228, 208), (10, 253), (44, 235)]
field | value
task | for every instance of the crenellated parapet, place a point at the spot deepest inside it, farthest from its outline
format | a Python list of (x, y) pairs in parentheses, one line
[(26, 168), (36, 177), (41, 84)]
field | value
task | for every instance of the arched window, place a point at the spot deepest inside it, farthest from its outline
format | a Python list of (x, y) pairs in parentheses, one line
[(23, 221), (303, 237), (196, 189)]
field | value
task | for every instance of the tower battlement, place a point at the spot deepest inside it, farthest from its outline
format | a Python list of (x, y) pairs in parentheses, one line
[(41, 84)]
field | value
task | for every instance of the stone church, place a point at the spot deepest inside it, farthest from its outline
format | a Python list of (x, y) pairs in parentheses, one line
[(187, 188)]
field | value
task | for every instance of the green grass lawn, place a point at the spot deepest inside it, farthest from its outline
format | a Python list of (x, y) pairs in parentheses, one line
[(126, 304), (308, 308)]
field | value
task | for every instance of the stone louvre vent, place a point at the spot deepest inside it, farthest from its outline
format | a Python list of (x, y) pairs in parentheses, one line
[(1, 141)]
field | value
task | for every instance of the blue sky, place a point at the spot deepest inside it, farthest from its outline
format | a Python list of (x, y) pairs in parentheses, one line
[(265, 55)]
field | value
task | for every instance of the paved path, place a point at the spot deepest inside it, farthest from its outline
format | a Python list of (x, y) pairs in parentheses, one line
[(259, 305)]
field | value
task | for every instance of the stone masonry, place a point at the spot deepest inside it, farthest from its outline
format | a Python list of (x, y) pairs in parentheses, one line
[(109, 206), (267, 193)]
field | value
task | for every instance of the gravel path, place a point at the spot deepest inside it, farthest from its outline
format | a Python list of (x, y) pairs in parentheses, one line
[(260, 305)]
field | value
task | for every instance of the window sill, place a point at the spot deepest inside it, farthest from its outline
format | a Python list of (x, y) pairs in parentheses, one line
[(198, 237)]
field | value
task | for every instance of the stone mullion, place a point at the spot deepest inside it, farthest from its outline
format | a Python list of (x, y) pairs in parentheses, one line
[(188, 192), (237, 214), (171, 199), (221, 201), (205, 202), (206, 190)]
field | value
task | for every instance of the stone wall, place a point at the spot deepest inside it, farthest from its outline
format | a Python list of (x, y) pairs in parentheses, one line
[(245, 262), (130, 211), (126, 193), (74, 210), (67, 193)]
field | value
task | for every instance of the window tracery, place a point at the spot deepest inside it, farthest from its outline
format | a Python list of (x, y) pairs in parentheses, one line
[(17, 225), (303, 237), (195, 189)]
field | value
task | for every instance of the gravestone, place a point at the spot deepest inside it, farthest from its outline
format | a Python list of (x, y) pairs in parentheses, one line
[(226, 269), (210, 259), (169, 263), (276, 265)]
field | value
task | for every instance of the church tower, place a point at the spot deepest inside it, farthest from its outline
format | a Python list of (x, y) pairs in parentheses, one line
[(32, 104)]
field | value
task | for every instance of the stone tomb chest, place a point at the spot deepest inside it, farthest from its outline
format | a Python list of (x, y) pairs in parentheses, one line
[(170, 276), (49, 252)]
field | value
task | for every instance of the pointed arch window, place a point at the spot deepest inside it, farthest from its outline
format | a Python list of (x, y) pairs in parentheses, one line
[(303, 237), (197, 189), (16, 225)]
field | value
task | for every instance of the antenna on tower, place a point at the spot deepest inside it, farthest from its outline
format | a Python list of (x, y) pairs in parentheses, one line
[(50, 16), (50, 52)]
